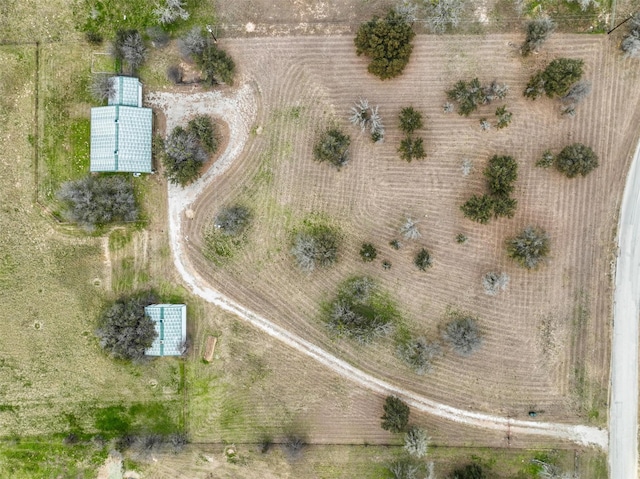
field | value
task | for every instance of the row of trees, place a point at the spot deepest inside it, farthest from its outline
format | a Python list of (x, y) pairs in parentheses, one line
[(469, 95), (411, 148)]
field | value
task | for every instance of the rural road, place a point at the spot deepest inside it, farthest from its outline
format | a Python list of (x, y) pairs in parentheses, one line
[(240, 111), (623, 406)]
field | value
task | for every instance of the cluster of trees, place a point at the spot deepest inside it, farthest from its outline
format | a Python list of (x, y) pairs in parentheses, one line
[(98, 200), (538, 30), (227, 234), (500, 173), (215, 64), (185, 150), (631, 42), (315, 245), (387, 41), (470, 95), (124, 329), (332, 147), (367, 118), (575, 159), (411, 148), (556, 79), (530, 248), (360, 311)]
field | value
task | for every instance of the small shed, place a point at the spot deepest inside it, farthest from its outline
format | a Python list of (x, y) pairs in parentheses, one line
[(121, 132), (171, 325)]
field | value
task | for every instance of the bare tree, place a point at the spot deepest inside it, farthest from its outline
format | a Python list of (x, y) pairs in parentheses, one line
[(293, 445), (193, 43), (129, 48), (404, 469), (171, 11), (538, 31), (367, 117), (442, 14), (407, 10), (419, 354), (467, 166), (578, 92), (102, 87), (463, 334), (416, 442), (631, 42), (493, 282), (410, 229)]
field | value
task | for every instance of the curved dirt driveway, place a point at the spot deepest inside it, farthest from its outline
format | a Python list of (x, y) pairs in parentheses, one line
[(239, 110)]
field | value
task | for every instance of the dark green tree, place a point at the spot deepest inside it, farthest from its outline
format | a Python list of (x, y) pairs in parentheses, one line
[(368, 252), (556, 79), (478, 208), (216, 65), (501, 172), (124, 329), (530, 248), (410, 120), (504, 206), (470, 471), (422, 260), (576, 159), (332, 147), (396, 415), (504, 117), (387, 41), (206, 132), (412, 149), (468, 95)]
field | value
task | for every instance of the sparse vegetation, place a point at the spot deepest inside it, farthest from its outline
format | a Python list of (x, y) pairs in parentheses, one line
[(470, 95), (361, 311), (396, 415), (368, 252), (332, 147), (576, 159), (484, 124), (555, 80), (443, 14), (493, 282), (416, 442), (422, 260), (462, 334), (315, 245), (124, 329), (530, 248), (538, 30), (98, 200), (387, 41), (419, 354), (504, 117), (461, 238)]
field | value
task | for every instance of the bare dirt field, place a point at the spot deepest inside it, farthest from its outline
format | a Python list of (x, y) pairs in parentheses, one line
[(547, 337)]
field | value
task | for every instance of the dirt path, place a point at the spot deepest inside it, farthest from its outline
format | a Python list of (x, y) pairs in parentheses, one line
[(240, 110), (623, 413)]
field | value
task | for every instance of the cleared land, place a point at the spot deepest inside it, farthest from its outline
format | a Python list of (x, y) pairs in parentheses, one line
[(546, 338)]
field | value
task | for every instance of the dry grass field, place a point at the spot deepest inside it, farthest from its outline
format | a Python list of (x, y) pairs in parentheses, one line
[(547, 337)]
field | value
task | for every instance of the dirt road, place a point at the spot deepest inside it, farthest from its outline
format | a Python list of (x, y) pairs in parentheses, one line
[(239, 110), (623, 409)]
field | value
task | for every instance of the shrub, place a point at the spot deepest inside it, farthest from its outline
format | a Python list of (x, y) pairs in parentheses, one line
[(585, 4), (470, 471), (93, 37), (501, 172), (171, 11), (102, 88), (461, 238), (442, 14), (128, 48), (387, 41), (216, 65), (396, 415), (368, 252), (469, 95), (547, 160), (124, 329), (98, 200), (419, 354), (315, 245), (556, 79), (293, 446), (504, 117), (332, 147), (412, 148), (530, 248), (410, 120), (174, 74), (576, 159), (232, 220), (478, 208), (462, 334), (416, 442), (493, 282), (538, 30), (409, 229), (395, 244), (193, 43), (422, 260), (631, 42), (484, 124), (361, 311)]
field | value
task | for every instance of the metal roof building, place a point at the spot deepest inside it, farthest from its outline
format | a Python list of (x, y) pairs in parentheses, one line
[(121, 132), (171, 325)]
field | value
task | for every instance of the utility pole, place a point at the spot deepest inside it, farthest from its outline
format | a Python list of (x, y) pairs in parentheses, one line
[(210, 30)]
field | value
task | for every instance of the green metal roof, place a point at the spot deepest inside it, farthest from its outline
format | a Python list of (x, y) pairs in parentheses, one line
[(128, 91), (171, 324), (121, 139)]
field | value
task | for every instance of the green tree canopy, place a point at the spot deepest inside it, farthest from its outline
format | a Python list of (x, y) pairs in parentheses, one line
[(529, 248), (478, 208), (501, 172), (410, 120), (332, 147), (556, 79), (387, 41), (576, 159), (396, 415)]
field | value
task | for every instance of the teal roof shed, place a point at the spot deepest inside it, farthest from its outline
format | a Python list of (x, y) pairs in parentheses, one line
[(171, 325), (121, 132)]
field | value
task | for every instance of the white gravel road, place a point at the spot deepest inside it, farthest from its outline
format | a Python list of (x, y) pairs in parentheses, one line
[(239, 110), (623, 408)]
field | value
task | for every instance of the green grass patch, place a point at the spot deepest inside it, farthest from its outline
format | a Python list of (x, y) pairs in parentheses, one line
[(119, 238)]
